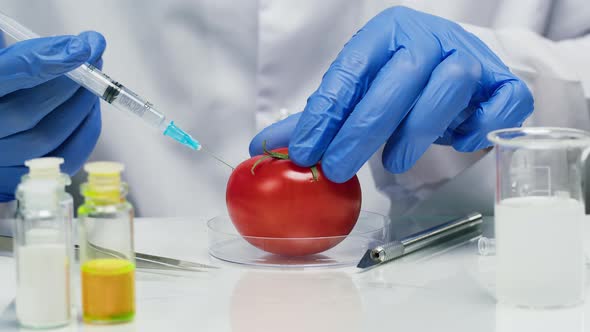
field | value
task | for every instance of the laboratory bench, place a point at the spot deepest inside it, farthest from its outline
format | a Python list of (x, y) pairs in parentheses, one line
[(447, 287)]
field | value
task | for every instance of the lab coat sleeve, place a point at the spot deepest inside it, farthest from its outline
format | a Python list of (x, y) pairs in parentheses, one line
[(525, 51)]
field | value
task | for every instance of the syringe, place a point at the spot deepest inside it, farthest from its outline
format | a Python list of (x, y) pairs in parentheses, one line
[(112, 91)]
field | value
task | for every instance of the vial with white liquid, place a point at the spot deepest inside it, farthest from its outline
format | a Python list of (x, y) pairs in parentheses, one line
[(539, 216), (42, 253), (50, 168)]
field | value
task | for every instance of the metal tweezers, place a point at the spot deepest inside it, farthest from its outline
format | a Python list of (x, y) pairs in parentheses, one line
[(147, 261)]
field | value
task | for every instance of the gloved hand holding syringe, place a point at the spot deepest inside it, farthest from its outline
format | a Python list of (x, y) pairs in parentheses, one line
[(113, 92)]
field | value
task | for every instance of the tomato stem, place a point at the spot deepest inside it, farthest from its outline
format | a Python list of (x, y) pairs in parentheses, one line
[(258, 162), (282, 156), (276, 155), (315, 173)]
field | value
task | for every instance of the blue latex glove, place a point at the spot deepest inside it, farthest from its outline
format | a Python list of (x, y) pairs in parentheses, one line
[(406, 79), (42, 112)]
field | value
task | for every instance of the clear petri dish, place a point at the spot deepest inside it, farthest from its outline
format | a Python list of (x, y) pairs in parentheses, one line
[(226, 244)]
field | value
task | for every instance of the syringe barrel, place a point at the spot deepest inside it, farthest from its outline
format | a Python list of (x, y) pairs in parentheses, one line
[(117, 95), (132, 103), (96, 81)]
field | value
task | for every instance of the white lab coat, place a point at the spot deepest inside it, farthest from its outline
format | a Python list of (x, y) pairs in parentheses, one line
[(226, 69)]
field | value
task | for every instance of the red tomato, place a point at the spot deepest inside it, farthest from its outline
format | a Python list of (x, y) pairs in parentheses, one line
[(283, 202)]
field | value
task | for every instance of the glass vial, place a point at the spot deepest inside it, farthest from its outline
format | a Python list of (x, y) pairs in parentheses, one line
[(42, 253), (49, 168), (486, 246), (107, 257)]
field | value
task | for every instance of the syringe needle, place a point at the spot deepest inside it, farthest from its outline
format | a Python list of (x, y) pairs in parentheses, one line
[(216, 157), (183, 137)]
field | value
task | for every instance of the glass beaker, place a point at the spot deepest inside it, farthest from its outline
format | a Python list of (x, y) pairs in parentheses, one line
[(539, 215)]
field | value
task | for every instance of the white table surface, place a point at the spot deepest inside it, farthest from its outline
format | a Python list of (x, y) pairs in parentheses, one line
[(446, 288)]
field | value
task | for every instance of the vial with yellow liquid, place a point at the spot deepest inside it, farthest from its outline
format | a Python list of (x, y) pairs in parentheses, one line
[(107, 259)]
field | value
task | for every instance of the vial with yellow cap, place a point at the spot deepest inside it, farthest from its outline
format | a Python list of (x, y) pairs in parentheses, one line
[(107, 259)]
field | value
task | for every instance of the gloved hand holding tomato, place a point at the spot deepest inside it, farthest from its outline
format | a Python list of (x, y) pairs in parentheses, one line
[(290, 210)]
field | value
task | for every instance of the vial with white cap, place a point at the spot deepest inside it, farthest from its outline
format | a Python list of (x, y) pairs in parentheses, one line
[(42, 253), (49, 168)]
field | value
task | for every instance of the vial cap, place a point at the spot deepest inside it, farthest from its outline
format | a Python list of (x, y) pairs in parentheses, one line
[(104, 177), (44, 167), (104, 168)]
